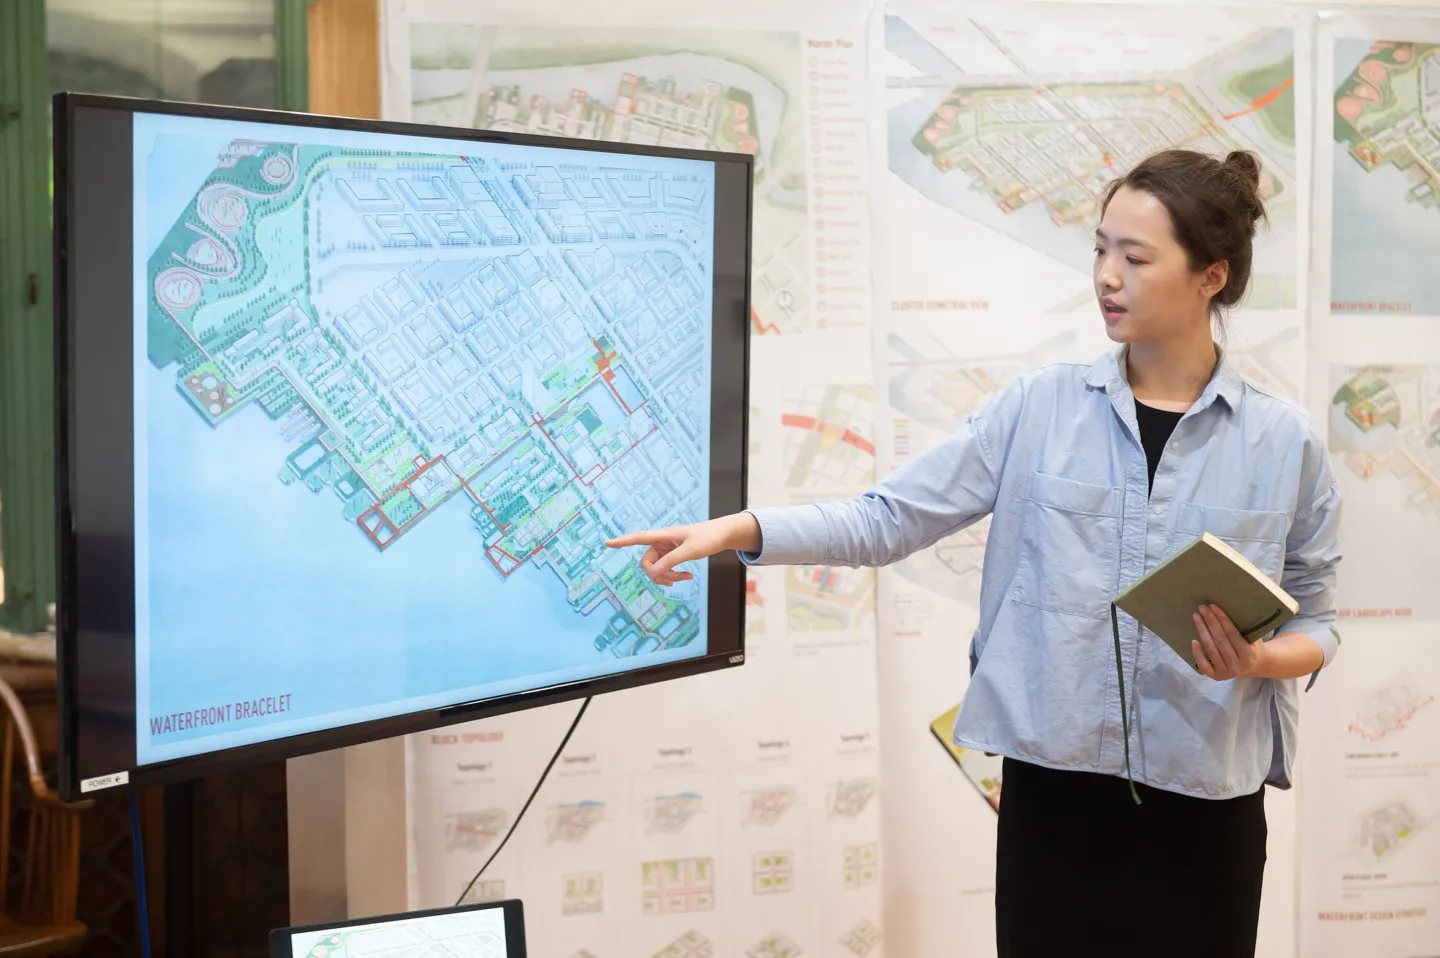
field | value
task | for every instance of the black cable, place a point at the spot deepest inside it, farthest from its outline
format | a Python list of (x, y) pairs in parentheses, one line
[(137, 846), (526, 807)]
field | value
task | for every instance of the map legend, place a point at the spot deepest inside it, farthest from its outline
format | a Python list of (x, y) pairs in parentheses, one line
[(839, 205)]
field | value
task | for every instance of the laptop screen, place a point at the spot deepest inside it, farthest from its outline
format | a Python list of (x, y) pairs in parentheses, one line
[(494, 930)]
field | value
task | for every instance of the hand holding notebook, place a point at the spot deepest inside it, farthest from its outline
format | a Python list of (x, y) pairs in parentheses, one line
[(1172, 601)]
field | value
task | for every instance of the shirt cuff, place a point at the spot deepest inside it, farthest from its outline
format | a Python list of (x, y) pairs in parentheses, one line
[(1324, 635), (790, 535)]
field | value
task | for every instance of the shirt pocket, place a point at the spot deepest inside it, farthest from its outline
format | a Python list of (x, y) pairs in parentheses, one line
[(1070, 546), (1257, 535)]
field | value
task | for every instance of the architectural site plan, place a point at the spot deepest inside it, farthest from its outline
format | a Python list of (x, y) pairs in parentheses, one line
[(393, 401)]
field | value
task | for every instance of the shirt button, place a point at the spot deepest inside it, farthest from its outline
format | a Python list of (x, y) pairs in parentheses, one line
[(1174, 444), (1158, 510)]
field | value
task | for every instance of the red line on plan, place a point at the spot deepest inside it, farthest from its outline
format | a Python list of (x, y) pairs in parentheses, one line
[(416, 474), (381, 517), (761, 328), (846, 436), (605, 469), (603, 363), (610, 385), (540, 424), (505, 565), (509, 563), (1263, 100), (561, 528), (1397, 725), (482, 504)]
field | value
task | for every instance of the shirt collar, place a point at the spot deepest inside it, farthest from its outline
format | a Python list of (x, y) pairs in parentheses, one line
[(1108, 373)]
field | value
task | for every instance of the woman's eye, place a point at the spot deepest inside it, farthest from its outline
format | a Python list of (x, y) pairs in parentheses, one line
[(1133, 261), (1099, 251)]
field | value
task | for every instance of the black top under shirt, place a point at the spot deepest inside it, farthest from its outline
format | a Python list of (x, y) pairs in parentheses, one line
[(1156, 425)]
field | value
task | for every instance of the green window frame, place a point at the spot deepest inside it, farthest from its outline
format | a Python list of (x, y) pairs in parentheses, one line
[(27, 499), (27, 435)]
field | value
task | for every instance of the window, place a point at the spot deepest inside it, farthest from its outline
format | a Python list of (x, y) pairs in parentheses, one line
[(207, 51), (214, 51)]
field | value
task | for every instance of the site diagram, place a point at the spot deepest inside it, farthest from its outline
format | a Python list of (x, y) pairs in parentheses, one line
[(677, 885), (766, 806), (1271, 360), (729, 90), (1384, 437), (1021, 130), (829, 438), (669, 814), (485, 890), (692, 944), (773, 945), (514, 341), (826, 598), (849, 798), (861, 865), (1388, 709), (862, 938), (583, 894), (474, 831), (574, 822), (1387, 174), (476, 934), (773, 872), (1386, 831)]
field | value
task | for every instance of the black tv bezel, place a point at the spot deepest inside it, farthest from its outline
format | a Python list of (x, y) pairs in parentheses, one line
[(281, 945), (86, 554)]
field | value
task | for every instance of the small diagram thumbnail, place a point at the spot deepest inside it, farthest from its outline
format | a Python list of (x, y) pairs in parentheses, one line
[(862, 865), (677, 885), (849, 798), (669, 814), (773, 945), (766, 806), (474, 831), (572, 823), (692, 944), (582, 894), (773, 872)]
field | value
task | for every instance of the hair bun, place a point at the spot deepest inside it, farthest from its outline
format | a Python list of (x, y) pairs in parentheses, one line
[(1247, 164)]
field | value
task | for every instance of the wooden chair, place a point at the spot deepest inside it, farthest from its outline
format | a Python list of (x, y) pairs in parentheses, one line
[(43, 921)]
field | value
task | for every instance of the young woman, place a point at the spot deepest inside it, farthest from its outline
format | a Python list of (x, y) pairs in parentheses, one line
[(1094, 475)]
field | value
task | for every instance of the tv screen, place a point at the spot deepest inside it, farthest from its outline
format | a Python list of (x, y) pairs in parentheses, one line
[(347, 409), (490, 930)]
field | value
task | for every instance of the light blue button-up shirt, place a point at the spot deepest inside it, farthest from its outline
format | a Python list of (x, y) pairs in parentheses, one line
[(1056, 460)]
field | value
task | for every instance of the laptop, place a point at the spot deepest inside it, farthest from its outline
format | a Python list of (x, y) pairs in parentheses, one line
[(489, 930)]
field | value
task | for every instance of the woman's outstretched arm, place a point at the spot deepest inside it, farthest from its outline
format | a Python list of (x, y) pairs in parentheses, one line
[(944, 490)]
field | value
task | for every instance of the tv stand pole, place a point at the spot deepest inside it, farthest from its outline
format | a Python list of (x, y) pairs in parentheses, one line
[(179, 868)]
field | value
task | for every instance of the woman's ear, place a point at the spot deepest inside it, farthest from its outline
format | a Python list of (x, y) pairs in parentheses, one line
[(1214, 278)]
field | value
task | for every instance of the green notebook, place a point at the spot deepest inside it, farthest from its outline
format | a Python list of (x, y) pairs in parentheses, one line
[(1207, 571)]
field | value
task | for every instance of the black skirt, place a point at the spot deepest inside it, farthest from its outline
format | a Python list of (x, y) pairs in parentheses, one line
[(1081, 869)]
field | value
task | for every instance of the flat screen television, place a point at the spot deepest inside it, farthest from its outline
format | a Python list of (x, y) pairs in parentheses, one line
[(346, 410)]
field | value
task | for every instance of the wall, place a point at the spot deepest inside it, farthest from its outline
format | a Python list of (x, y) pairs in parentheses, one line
[(892, 297)]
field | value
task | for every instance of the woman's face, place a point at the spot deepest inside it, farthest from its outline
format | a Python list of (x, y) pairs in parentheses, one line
[(1143, 281)]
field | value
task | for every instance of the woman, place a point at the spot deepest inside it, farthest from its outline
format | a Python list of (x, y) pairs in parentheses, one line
[(1094, 475)]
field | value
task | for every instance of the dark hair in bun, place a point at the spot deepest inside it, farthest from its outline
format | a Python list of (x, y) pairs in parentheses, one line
[(1247, 164), (1214, 207)]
